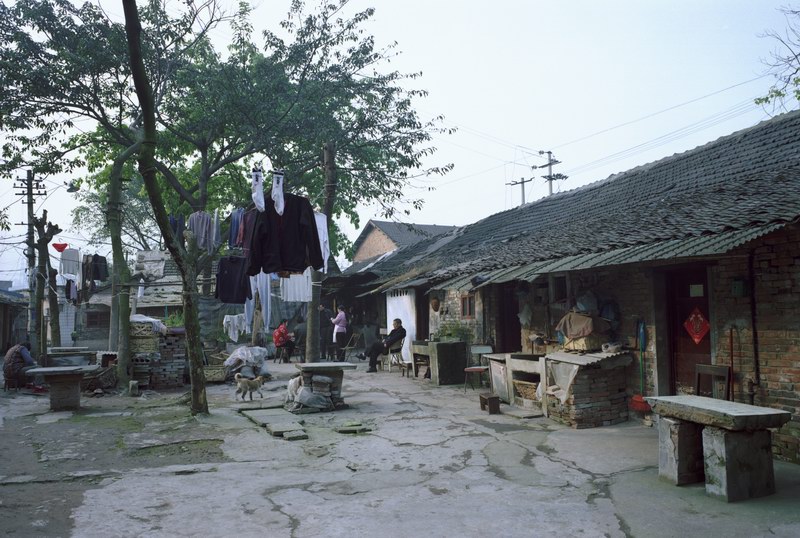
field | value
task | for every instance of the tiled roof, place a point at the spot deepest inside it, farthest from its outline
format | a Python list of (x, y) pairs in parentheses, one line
[(403, 234), (745, 180)]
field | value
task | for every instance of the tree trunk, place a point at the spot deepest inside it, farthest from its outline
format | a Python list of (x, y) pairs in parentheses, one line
[(52, 299), (113, 331), (122, 275), (187, 264), (45, 231)]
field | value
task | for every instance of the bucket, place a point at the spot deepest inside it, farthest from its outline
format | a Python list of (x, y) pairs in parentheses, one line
[(638, 403)]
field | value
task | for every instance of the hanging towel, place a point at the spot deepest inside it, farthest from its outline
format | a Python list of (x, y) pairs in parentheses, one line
[(324, 243), (258, 189), (277, 191), (297, 288)]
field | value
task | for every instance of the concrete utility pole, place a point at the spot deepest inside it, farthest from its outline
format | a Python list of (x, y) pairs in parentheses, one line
[(29, 184), (522, 181), (550, 177)]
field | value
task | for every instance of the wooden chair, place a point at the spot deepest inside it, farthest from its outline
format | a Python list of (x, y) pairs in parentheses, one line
[(479, 369), (395, 357), (352, 344), (718, 374)]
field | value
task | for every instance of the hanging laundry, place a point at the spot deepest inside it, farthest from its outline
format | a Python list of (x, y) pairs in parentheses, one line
[(201, 224), (70, 265), (99, 268), (234, 325), (150, 264), (237, 218), (284, 243), (277, 191), (324, 243), (177, 223), (232, 285), (140, 293), (257, 188), (260, 286), (217, 233), (297, 288)]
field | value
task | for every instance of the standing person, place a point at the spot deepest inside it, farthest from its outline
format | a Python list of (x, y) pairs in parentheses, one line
[(325, 331), (17, 362), (385, 346), (340, 332)]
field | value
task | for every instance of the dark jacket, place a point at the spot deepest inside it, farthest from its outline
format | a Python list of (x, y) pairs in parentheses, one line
[(394, 336), (233, 284), (287, 242)]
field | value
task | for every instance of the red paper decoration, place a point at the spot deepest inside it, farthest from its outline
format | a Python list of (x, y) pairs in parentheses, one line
[(697, 325), (61, 247)]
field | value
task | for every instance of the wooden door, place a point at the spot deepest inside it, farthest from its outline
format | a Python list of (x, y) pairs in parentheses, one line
[(690, 331), (509, 330)]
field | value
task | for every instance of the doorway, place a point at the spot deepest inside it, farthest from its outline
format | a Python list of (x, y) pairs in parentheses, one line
[(689, 328), (509, 330)]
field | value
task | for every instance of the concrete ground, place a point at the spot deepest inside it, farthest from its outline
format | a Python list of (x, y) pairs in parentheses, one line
[(433, 465)]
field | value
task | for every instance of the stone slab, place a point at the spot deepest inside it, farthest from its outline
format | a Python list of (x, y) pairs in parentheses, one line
[(680, 451), (733, 416), (324, 366), (279, 428), (296, 435), (519, 412), (265, 416)]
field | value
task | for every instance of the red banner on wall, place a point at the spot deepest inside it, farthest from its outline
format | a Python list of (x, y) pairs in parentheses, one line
[(697, 325)]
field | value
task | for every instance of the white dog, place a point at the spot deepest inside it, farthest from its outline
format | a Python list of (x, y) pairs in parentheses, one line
[(294, 386)]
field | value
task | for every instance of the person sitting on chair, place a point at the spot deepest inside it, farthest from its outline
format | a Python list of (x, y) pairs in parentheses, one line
[(18, 361), (283, 340), (384, 346)]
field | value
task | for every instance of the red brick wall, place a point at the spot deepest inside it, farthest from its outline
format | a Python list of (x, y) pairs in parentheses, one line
[(776, 284)]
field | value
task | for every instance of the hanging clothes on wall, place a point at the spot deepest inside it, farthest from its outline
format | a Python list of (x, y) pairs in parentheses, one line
[(297, 288), (232, 285)]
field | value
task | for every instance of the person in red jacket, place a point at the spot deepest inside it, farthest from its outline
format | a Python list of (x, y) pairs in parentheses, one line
[(283, 339)]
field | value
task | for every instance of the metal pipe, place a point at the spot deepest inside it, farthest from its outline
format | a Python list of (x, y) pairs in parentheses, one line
[(733, 379), (753, 316)]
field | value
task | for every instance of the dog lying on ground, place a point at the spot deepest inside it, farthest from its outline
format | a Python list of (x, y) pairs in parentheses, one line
[(245, 386)]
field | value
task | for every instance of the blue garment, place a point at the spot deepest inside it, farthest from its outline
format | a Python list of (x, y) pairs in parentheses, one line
[(236, 221), (26, 356)]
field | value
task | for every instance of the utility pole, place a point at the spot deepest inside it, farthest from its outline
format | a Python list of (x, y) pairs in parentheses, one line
[(550, 177), (28, 185), (522, 181)]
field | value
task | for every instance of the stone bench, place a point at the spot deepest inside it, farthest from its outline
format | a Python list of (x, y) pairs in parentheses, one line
[(65, 384), (726, 444)]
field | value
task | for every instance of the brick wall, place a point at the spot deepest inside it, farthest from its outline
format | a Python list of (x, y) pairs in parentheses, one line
[(776, 285), (375, 244), (450, 313)]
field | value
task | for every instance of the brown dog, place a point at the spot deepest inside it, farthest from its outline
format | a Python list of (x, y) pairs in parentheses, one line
[(245, 386)]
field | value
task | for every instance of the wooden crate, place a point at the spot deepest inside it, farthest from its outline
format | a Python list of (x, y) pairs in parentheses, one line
[(526, 389), (215, 374)]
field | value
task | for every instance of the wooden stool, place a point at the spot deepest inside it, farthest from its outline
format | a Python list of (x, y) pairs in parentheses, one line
[(490, 400)]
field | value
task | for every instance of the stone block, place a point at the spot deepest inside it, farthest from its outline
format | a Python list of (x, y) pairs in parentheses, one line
[(296, 435), (738, 464), (680, 451), (279, 429)]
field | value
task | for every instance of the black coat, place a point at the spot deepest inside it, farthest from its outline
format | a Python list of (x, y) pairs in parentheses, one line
[(395, 336)]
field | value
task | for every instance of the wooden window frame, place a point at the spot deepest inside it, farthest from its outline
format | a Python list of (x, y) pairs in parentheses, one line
[(468, 306)]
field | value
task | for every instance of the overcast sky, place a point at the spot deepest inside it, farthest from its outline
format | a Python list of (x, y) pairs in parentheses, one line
[(606, 86)]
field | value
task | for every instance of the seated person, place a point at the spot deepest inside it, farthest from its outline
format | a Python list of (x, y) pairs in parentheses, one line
[(384, 346), (17, 362), (283, 339)]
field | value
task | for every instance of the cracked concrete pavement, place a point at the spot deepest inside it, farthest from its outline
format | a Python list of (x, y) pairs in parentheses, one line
[(433, 464)]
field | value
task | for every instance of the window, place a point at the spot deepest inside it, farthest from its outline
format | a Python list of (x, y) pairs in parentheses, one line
[(98, 320), (468, 306)]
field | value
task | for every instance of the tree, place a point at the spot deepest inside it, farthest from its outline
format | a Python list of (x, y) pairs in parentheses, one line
[(138, 229), (320, 86), (784, 63), (46, 279)]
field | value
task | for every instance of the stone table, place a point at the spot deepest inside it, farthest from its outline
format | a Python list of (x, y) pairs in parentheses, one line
[(727, 444), (333, 370), (65, 384)]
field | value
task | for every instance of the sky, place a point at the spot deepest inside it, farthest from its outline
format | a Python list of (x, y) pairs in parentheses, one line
[(605, 86)]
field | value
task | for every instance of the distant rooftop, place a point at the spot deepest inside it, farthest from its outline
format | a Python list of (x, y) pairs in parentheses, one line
[(402, 233)]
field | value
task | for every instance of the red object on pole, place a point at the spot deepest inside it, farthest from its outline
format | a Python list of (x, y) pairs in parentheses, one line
[(61, 247)]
